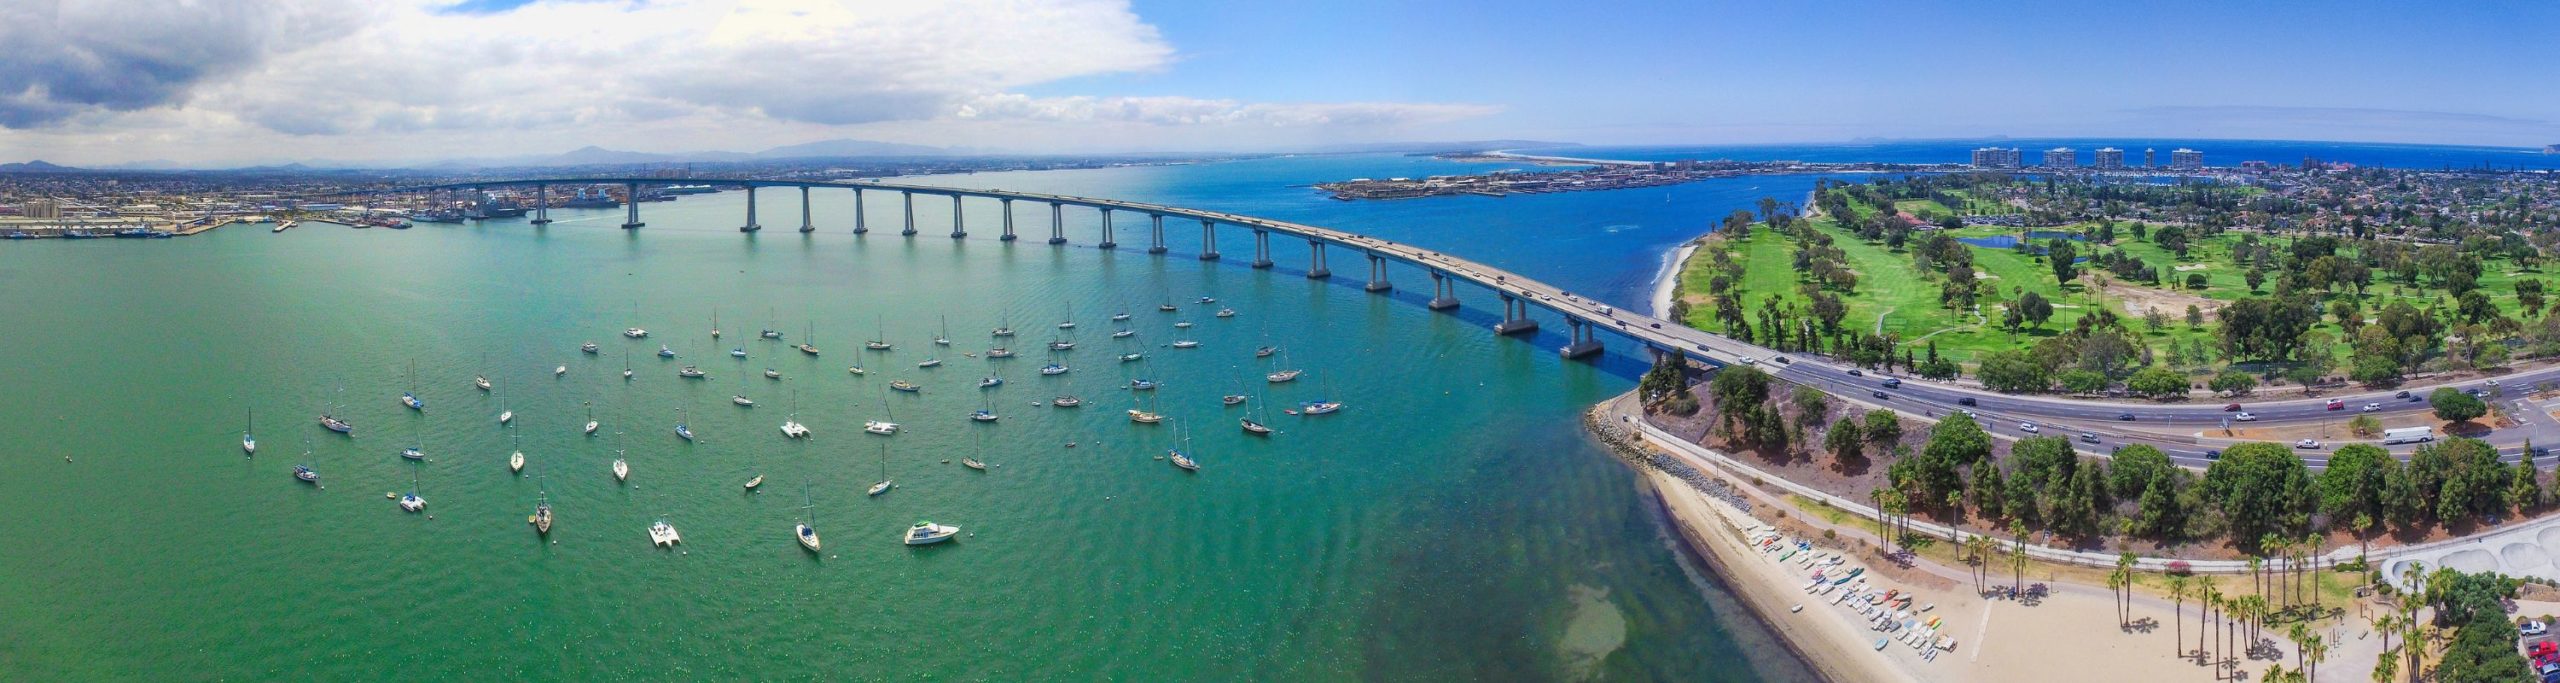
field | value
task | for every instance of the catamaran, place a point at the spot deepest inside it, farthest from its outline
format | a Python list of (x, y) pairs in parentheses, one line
[(769, 332), (663, 535), (411, 501), (807, 531), (791, 427), (883, 427)]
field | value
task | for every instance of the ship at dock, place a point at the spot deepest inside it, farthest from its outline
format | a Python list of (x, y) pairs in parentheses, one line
[(592, 198)]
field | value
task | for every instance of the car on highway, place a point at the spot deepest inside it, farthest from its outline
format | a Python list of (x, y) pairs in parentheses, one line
[(2089, 437), (2029, 427), (2306, 443), (2124, 417), (1782, 360), (1747, 360), (1878, 394), (2404, 393), (2372, 407), (2231, 407), (2492, 382), (1965, 401), (2337, 404), (1892, 382), (1968, 413), (1853, 372), (1606, 310), (2245, 416), (2213, 455)]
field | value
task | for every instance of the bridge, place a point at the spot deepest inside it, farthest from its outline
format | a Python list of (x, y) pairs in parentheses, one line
[(2100, 426)]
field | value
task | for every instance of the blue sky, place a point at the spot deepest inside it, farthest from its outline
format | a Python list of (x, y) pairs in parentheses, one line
[(425, 79)]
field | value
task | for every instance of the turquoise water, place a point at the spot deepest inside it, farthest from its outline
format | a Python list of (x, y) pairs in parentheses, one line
[(1451, 523)]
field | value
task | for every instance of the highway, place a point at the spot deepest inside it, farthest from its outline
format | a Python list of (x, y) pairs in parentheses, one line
[(2191, 427)]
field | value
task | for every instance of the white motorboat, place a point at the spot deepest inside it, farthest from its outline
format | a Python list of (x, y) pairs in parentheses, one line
[(990, 382), (559, 370), (635, 333), (1132, 356), (482, 383), (589, 347), (926, 532), (506, 417), (1053, 369), (770, 373), (1184, 325), (880, 427), (1226, 313), (999, 352), (1066, 401)]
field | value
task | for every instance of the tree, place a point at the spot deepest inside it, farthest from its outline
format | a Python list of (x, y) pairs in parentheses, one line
[(2195, 317), (1844, 440), (2063, 257), (2012, 371), (1883, 429), (2483, 651), (1740, 394), (2080, 381), (2261, 488), (2234, 382), (2354, 482), (2157, 382), (2033, 308), (2452, 405)]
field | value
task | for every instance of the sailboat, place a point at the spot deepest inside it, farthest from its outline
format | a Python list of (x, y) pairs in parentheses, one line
[(515, 463), (410, 398), (944, 339), (807, 531), (329, 421), (681, 430), (1233, 399), (883, 427), (715, 323), (906, 386), (740, 398), (791, 426), (505, 414), (809, 342), (1253, 425), (541, 519), (591, 419), (929, 363), (418, 448), (621, 468), (769, 332), (411, 501), (1265, 351), (1119, 317), (1068, 322), (885, 483), (248, 434), (1066, 401), (634, 331), (1179, 459), (986, 410), (1003, 329), (881, 342), (1285, 374), (303, 471), (758, 480), (626, 366), (1320, 406)]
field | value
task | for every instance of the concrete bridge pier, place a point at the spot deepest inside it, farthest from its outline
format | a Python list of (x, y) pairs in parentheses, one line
[(860, 226), (542, 205), (805, 225), (1209, 240), (910, 199), (1315, 261), (1107, 242), (1155, 234), (1515, 317), (1261, 248), (1057, 223), (1378, 274), (957, 229), (751, 212), (631, 219), (1584, 344), (1008, 219), (1444, 296)]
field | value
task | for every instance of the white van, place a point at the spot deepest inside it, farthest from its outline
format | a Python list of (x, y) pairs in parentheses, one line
[(2408, 435)]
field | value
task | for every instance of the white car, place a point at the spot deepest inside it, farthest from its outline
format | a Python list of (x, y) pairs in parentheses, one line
[(1747, 360), (2372, 407), (2245, 417), (2306, 443), (2535, 628), (2028, 427)]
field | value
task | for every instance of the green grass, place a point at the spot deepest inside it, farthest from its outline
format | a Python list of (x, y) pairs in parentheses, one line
[(1829, 514)]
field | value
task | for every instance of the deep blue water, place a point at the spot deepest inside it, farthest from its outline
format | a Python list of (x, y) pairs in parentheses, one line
[(2216, 152)]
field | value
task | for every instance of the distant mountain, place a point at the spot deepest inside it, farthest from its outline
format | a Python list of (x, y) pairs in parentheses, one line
[(850, 148), (2551, 149), (36, 166)]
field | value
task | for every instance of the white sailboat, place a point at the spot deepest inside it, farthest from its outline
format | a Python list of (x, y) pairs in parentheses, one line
[(880, 342), (591, 419), (944, 339), (884, 427), (248, 434), (807, 531), (515, 463), (885, 482)]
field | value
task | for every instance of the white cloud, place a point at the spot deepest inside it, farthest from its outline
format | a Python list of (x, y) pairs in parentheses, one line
[(332, 77)]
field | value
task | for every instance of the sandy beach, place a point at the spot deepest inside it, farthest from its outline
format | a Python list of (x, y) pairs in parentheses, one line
[(1668, 278)]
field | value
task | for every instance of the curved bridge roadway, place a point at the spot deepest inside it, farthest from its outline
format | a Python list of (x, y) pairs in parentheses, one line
[(2193, 428)]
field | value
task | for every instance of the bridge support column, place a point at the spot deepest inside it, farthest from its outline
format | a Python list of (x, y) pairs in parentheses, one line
[(1378, 274), (1155, 233), (1261, 248), (631, 204), (1008, 219), (542, 205), (1057, 223), (1107, 242), (1444, 296), (805, 225), (1208, 240), (1515, 317), (910, 199), (1584, 344), (1315, 261), (751, 212), (860, 224), (958, 230)]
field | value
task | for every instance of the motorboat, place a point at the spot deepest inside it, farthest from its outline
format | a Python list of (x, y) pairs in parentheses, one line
[(1053, 369), (559, 370), (739, 352), (925, 533), (481, 382), (983, 415), (1142, 384), (635, 333), (929, 363), (691, 372), (880, 427), (1226, 313), (588, 348), (1066, 401), (664, 352), (1117, 317), (1184, 325), (906, 386), (621, 470), (1206, 300), (412, 453), (663, 535), (1283, 376), (1131, 356), (755, 482), (1144, 417), (506, 416), (742, 400)]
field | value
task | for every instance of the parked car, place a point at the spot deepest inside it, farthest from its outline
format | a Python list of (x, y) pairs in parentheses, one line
[(2535, 628), (2245, 417)]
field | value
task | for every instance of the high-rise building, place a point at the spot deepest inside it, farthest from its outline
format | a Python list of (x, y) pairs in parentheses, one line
[(2184, 159), (1994, 157), (2150, 157), (41, 208), (2061, 157), (2108, 158)]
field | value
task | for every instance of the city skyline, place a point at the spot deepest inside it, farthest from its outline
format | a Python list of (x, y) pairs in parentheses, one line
[(101, 83)]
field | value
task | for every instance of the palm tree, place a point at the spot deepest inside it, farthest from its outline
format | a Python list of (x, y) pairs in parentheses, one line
[(2115, 589), (2311, 574), (2385, 666), (1981, 546), (2178, 607), (2124, 568), (2206, 596), (2018, 562), (2318, 649)]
